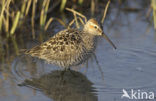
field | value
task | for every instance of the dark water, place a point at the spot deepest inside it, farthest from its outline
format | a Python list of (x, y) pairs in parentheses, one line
[(131, 66)]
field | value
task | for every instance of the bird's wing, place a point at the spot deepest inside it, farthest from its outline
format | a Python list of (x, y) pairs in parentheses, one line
[(61, 46)]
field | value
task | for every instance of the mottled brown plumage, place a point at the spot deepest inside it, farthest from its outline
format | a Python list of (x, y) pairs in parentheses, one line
[(70, 47)]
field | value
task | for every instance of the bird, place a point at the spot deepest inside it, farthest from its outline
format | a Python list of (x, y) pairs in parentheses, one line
[(70, 47)]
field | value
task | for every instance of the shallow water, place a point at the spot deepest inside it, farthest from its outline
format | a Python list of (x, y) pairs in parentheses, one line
[(131, 66)]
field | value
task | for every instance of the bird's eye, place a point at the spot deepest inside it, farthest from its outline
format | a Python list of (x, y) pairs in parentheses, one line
[(95, 27)]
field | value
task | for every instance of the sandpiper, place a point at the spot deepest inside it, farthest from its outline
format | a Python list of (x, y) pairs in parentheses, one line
[(70, 47)]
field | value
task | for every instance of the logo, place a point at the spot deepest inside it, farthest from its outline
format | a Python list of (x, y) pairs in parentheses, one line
[(137, 94)]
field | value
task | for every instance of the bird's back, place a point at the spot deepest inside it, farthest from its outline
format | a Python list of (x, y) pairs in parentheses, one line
[(67, 48)]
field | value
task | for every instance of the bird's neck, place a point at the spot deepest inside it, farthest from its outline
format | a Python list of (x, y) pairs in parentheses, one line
[(87, 36), (89, 40)]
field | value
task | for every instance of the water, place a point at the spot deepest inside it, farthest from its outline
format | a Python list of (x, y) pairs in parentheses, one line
[(131, 66)]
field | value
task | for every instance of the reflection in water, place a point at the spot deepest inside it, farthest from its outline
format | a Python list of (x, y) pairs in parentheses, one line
[(72, 88)]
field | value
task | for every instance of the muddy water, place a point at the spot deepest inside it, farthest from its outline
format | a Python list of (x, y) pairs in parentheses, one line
[(131, 66)]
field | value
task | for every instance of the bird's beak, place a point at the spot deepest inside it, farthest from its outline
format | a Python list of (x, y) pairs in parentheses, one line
[(106, 37)]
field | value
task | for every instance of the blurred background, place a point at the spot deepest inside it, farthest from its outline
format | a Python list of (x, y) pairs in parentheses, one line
[(130, 24)]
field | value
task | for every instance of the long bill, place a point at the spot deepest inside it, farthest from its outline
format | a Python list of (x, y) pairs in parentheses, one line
[(106, 37)]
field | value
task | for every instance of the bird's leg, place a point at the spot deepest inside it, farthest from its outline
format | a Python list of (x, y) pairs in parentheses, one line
[(86, 67), (99, 67)]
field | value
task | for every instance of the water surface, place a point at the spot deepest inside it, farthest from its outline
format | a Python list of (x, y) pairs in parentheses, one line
[(131, 66)]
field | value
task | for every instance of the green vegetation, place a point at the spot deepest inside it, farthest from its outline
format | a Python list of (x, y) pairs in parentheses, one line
[(11, 19), (153, 4)]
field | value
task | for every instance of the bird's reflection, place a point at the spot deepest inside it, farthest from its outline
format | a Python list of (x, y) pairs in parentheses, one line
[(72, 88)]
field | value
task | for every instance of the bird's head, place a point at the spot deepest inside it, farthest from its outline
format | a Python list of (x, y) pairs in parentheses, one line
[(93, 28)]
